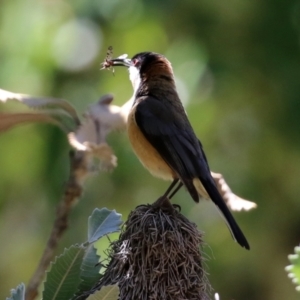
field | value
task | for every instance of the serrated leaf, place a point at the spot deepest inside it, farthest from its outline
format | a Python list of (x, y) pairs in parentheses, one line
[(90, 270), (18, 293), (294, 269), (109, 292), (64, 277), (101, 222), (41, 102)]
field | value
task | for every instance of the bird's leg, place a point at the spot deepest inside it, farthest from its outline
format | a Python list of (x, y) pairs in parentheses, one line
[(163, 201), (174, 182), (180, 184)]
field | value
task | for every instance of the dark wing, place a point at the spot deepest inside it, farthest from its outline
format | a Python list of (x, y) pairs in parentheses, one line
[(166, 127), (168, 130)]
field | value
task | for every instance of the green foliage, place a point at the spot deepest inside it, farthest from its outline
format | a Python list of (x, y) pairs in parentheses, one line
[(294, 268), (110, 292), (64, 275), (90, 269), (102, 222), (77, 269), (18, 293)]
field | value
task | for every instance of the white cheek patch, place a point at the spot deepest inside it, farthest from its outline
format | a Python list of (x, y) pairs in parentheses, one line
[(133, 73), (134, 76)]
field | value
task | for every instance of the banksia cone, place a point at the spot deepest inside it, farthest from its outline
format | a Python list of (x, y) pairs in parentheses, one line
[(157, 257)]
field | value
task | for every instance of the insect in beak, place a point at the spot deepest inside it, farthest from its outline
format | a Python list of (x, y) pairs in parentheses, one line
[(110, 62)]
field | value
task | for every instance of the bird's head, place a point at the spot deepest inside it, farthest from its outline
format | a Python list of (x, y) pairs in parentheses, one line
[(148, 67)]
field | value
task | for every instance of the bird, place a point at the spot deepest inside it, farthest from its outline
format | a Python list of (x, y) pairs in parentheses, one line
[(162, 137)]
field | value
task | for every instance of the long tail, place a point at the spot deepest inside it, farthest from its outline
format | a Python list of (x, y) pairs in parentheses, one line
[(215, 196)]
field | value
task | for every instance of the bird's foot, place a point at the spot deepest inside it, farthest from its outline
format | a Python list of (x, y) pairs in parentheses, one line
[(164, 203), (177, 206)]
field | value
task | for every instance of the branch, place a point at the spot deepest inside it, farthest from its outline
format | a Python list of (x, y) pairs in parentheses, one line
[(73, 190), (89, 140)]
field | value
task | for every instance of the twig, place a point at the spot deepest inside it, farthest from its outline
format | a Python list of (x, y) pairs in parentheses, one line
[(72, 192)]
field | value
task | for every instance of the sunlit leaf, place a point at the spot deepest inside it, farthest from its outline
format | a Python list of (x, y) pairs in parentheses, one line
[(294, 268), (64, 276), (101, 222), (109, 292), (18, 293)]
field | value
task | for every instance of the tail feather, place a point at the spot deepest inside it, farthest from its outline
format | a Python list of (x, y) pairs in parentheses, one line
[(215, 196)]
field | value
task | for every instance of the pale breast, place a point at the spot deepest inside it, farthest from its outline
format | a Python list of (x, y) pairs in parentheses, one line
[(146, 153)]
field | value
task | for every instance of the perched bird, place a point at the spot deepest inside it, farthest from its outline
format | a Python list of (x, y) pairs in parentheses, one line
[(162, 136)]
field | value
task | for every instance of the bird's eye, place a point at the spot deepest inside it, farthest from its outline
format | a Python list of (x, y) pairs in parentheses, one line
[(136, 62)]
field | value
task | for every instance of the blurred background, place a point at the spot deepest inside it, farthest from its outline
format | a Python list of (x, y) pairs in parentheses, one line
[(237, 68)]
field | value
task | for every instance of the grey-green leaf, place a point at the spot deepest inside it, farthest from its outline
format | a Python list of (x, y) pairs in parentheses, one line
[(109, 292), (90, 270), (64, 277), (18, 293), (101, 222)]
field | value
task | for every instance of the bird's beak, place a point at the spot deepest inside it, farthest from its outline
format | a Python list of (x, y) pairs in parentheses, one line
[(125, 62)]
